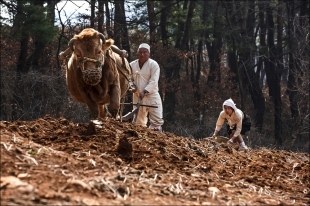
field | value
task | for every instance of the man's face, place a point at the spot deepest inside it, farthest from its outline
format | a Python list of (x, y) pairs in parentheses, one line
[(228, 110), (143, 55)]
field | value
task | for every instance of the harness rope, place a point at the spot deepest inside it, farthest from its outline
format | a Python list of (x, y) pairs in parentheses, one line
[(130, 81)]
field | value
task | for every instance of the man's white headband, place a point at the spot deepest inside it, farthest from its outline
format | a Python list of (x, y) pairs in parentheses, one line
[(146, 46)]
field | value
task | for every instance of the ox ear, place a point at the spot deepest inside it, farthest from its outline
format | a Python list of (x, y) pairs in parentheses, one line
[(107, 44)]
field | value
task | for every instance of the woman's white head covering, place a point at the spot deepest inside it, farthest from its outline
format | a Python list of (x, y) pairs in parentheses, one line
[(146, 46), (229, 102)]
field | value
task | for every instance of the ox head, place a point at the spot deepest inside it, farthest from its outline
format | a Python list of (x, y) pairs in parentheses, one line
[(89, 48)]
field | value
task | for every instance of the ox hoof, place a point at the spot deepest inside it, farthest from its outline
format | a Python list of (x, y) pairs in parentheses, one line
[(103, 119)]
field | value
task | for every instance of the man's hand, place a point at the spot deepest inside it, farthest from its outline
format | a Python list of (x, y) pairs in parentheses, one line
[(132, 87), (143, 93)]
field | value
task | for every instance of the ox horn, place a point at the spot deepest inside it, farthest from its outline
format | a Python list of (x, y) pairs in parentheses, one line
[(102, 37), (71, 44)]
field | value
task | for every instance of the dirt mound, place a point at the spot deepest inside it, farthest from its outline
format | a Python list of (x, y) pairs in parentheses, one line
[(55, 161)]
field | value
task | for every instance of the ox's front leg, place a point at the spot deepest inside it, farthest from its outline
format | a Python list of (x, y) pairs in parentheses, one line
[(89, 102), (99, 89), (102, 112), (99, 93), (115, 94)]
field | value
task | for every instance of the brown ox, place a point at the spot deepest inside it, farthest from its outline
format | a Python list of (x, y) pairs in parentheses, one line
[(96, 75)]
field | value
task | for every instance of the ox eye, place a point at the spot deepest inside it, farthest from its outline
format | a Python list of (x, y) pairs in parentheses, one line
[(78, 56), (99, 52)]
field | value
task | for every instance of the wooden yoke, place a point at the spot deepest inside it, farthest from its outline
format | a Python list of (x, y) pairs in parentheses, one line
[(122, 53), (62, 55)]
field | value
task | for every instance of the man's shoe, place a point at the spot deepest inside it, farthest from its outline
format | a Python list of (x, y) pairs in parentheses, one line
[(159, 130), (156, 128)]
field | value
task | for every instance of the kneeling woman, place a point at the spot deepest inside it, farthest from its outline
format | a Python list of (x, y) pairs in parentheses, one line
[(234, 117)]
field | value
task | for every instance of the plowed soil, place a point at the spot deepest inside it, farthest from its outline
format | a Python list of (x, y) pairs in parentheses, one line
[(53, 161)]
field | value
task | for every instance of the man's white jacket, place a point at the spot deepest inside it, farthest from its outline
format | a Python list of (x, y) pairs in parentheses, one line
[(146, 78)]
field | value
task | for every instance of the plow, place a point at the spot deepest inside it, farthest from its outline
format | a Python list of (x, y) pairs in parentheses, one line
[(134, 113)]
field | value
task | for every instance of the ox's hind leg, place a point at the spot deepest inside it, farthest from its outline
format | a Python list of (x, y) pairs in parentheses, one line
[(93, 109), (121, 108), (86, 99), (114, 100)]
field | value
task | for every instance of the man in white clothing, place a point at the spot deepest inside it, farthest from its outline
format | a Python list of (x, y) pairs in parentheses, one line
[(234, 117), (146, 73)]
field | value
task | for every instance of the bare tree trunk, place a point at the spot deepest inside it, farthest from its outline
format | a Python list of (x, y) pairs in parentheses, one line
[(292, 78), (231, 54), (51, 14), (196, 87), (262, 43), (247, 76), (100, 16), (277, 97), (181, 27), (39, 42), (23, 53), (108, 21), (21, 68), (204, 19), (118, 23), (51, 9), (253, 77), (171, 72), (215, 61), (207, 32), (260, 73), (299, 24), (163, 24), (152, 21), (33, 59), (120, 27), (270, 63), (303, 34), (188, 25), (192, 69), (92, 13), (243, 56)]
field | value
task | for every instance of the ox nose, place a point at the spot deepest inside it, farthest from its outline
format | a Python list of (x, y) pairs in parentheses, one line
[(92, 65)]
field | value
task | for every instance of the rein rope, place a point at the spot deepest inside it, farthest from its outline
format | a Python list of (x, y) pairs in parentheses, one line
[(123, 72), (131, 85)]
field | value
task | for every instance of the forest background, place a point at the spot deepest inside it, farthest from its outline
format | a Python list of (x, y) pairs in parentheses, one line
[(255, 52)]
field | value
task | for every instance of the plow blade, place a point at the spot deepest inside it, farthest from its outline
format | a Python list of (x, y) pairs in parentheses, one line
[(129, 115), (132, 114)]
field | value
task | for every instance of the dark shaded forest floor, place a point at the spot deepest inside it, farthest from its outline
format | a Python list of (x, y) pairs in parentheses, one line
[(56, 162)]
